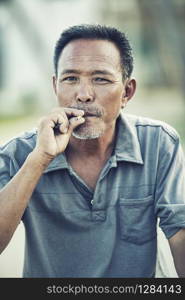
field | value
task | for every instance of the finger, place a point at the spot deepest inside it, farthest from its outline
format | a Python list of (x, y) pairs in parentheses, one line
[(59, 129), (75, 118), (74, 122), (60, 123), (73, 112), (63, 127), (68, 112)]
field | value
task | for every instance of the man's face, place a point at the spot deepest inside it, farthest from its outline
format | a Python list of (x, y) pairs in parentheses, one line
[(90, 78)]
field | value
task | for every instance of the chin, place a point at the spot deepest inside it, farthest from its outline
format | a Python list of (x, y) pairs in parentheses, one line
[(87, 133)]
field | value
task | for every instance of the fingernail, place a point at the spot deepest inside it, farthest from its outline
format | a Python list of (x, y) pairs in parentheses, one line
[(65, 130)]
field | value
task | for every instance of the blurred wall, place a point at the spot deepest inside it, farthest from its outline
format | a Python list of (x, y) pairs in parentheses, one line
[(29, 30), (156, 32)]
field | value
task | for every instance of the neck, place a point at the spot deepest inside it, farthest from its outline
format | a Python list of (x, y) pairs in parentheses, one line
[(99, 148)]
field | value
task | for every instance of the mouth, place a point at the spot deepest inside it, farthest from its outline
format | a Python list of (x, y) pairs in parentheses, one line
[(88, 114)]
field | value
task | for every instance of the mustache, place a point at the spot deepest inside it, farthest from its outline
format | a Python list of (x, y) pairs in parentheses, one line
[(89, 110)]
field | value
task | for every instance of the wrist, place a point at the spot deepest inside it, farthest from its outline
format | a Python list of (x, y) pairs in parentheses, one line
[(40, 159)]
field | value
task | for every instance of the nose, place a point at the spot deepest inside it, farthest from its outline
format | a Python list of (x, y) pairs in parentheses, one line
[(85, 93)]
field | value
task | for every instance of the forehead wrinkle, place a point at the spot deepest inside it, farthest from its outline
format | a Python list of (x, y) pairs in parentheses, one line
[(90, 51), (89, 72), (72, 62), (79, 58)]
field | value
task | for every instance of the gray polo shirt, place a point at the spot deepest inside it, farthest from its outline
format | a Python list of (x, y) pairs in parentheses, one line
[(73, 231)]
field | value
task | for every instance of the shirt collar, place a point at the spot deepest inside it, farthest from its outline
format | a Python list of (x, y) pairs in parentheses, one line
[(59, 162), (127, 145)]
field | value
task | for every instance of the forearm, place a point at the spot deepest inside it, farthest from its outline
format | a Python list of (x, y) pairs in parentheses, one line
[(15, 196), (177, 245)]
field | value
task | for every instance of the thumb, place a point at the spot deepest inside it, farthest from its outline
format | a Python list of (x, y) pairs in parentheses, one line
[(74, 122)]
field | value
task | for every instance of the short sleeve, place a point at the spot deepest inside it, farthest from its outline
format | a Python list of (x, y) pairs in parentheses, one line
[(4, 169), (8, 163), (14, 153), (170, 187)]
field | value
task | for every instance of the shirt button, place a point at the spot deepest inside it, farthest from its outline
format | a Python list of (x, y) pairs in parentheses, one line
[(92, 201)]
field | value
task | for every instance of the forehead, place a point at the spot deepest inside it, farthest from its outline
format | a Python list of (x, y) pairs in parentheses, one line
[(95, 53)]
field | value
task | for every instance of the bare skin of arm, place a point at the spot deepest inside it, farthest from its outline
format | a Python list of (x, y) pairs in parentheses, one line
[(177, 245), (14, 197)]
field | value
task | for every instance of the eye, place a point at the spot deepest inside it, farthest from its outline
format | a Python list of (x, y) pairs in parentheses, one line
[(70, 79), (101, 80)]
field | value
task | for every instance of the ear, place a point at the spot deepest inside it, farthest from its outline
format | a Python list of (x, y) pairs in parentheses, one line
[(129, 91), (54, 83)]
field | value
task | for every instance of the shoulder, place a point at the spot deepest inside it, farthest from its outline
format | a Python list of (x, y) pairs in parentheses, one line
[(19, 146), (145, 126)]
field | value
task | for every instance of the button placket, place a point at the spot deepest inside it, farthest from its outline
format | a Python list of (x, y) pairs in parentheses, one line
[(98, 216), (98, 205), (98, 213)]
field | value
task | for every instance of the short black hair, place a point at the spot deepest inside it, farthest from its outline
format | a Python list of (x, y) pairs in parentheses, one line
[(99, 32)]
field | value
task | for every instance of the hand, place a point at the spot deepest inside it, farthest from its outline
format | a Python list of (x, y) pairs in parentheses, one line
[(50, 144)]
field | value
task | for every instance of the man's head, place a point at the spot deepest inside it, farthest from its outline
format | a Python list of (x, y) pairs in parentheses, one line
[(93, 74), (97, 32)]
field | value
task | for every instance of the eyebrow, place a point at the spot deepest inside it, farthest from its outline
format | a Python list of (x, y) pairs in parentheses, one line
[(103, 72), (69, 71)]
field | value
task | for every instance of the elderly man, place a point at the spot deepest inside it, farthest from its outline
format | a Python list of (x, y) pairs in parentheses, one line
[(90, 183)]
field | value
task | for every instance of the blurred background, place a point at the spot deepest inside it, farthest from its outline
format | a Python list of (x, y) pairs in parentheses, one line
[(28, 32)]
